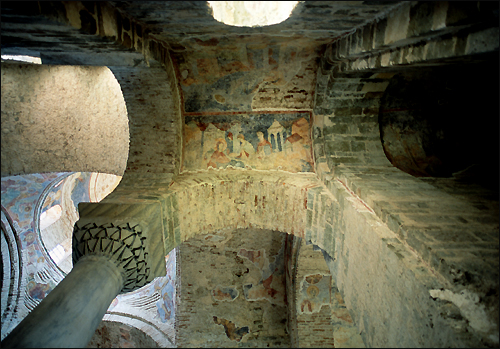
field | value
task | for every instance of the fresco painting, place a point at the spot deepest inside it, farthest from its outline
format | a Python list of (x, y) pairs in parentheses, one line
[(232, 332), (271, 285), (262, 141), (20, 197), (225, 293), (315, 291)]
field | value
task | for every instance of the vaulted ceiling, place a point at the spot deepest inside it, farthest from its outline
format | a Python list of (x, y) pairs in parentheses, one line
[(220, 68)]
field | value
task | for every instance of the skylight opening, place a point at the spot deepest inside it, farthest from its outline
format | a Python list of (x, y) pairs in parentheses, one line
[(252, 13), (27, 59)]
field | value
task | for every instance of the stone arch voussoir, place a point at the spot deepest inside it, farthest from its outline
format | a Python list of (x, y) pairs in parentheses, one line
[(206, 203)]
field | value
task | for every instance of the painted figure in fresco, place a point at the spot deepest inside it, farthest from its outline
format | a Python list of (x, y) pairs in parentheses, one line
[(306, 306), (246, 147), (218, 157), (264, 147), (231, 142)]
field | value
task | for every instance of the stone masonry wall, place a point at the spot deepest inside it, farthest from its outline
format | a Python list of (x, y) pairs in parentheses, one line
[(452, 233), (214, 200), (312, 299), (386, 287), (154, 119), (62, 118), (418, 33), (233, 290)]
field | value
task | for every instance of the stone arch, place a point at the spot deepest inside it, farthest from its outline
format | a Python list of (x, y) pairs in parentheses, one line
[(12, 271), (154, 118), (61, 118), (123, 331), (422, 128), (208, 202)]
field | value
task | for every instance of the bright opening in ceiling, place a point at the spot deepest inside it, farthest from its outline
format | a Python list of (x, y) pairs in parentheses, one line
[(252, 13)]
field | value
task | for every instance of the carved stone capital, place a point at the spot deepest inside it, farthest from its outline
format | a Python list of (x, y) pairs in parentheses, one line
[(123, 244), (130, 235)]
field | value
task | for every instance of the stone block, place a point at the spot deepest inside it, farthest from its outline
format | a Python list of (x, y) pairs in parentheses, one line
[(358, 146), (334, 146), (439, 15), (380, 29), (483, 41), (421, 18), (337, 128), (368, 35)]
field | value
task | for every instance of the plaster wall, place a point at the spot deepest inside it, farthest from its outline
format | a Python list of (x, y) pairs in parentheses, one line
[(233, 290), (117, 335), (62, 118), (312, 298)]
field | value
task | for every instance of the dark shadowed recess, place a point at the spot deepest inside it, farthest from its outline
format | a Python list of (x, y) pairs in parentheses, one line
[(443, 121)]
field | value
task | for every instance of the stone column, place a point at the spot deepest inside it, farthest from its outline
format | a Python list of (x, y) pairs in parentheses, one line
[(108, 258)]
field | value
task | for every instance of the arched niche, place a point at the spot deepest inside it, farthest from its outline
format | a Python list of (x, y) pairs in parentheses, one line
[(437, 121)]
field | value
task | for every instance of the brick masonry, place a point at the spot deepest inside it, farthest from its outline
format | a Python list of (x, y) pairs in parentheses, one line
[(404, 252), (236, 297), (450, 228)]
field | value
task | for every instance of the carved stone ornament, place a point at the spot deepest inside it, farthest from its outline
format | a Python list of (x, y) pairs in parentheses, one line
[(124, 244)]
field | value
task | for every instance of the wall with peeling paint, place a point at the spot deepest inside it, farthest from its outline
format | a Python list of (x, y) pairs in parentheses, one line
[(233, 290), (216, 76)]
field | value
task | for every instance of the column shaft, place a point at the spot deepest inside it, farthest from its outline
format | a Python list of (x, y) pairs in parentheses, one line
[(70, 314)]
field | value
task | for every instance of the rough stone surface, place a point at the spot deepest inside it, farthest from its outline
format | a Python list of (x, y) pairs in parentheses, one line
[(117, 335), (236, 297), (312, 299), (59, 118)]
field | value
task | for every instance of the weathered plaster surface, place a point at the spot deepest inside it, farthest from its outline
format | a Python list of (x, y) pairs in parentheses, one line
[(249, 264), (270, 75), (60, 118), (117, 335)]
